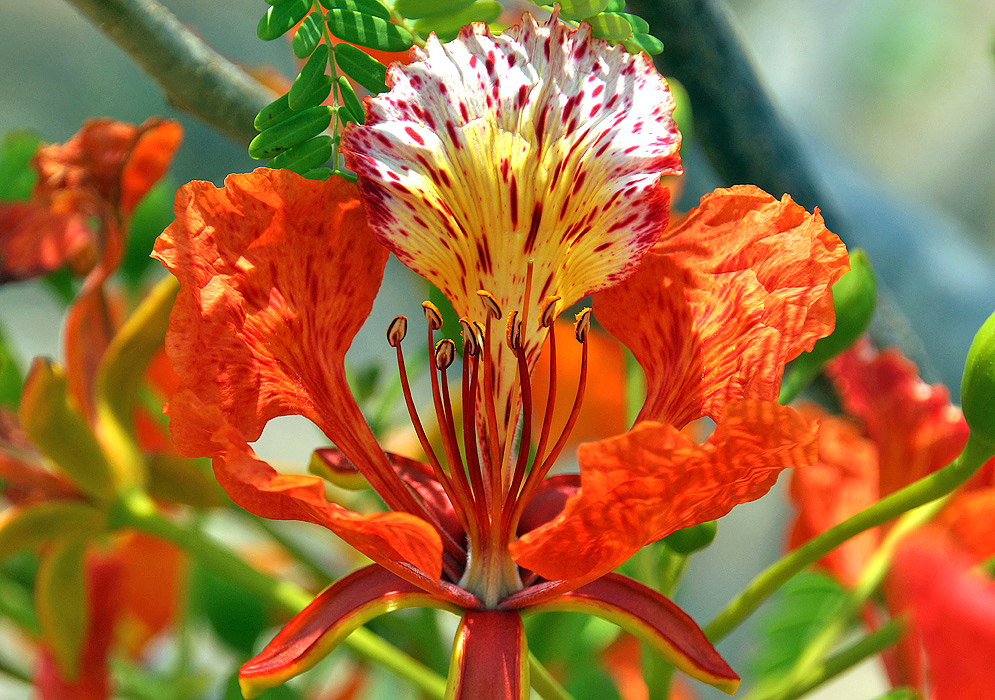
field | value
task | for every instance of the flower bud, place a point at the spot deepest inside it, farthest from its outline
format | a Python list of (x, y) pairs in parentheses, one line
[(977, 389), (854, 300), (693, 538)]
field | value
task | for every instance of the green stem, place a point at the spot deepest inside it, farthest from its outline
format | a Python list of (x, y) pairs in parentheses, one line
[(839, 663), (542, 681), (17, 604), (137, 511), (927, 489)]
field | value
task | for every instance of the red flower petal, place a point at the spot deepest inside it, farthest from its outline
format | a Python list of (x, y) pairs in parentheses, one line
[(653, 618), (402, 543), (953, 609), (35, 241), (913, 424), (733, 291), (842, 483), (643, 485), (490, 658), (970, 519), (278, 273), (330, 618)]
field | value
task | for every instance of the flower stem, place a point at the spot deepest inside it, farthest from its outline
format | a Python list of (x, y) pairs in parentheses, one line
[(136, 510), (927, 489)]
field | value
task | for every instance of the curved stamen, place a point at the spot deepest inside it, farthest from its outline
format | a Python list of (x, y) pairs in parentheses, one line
[(469, 389)]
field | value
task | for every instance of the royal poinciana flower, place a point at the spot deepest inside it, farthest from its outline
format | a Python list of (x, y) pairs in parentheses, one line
[(898, 429), (517, 173)]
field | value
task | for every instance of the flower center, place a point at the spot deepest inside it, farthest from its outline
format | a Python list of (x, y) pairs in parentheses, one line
[(489, 480)]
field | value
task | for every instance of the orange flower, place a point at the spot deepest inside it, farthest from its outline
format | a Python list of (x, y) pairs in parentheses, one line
[(518, 173)]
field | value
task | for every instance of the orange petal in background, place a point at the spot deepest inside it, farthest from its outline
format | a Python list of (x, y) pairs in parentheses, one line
[(730, 293), (841, 483), (643, 485)]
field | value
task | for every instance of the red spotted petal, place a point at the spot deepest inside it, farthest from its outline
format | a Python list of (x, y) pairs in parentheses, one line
[(913, 424), (841, 483), (953, 609), (643, 485), (402, 543), (490, 658), (653, 618), (540, 146), (733, 291), (330, 618), (278, 273)]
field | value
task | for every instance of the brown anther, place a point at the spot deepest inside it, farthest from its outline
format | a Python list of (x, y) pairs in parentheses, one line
[(493, 308), (513, 331), (548, 313), (582, 324), (445, 353), (478, 329), (396, 330), (432, 315), (470, 345)]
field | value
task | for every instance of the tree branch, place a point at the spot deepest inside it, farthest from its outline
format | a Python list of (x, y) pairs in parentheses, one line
[(739, 129), (194, 77)]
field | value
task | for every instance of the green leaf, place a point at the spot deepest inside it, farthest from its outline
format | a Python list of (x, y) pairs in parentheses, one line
[(799, 611), (11, 380), (279, 19), (237, 616), (308, 35), (368, 30), (361, 67), (312, 85), (318, 174), (363, 7), (17, 177), (305, 156), (416, 9), (290, 132), (352, 104), (275, 112), (60, 598), (55, 426), (610, 26), (446, 27), (649, 43), (638, 24), (615, 6), (153, 214), (580, 9), (27, 528)]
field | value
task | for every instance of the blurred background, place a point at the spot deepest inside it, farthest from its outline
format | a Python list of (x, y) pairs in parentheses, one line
[(893, 101)]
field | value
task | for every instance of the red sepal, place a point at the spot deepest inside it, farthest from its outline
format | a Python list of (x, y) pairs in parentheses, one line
[(490, 658)]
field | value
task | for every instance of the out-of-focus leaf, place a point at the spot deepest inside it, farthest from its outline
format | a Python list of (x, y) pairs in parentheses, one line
[(235, 615), (11, 381), (176, 479), (581, 9), (150, 218), (60, 599), (610, 25), (17, 177), (446, 27), (416, 9), (54, 424), (25, 528), (801, 608)]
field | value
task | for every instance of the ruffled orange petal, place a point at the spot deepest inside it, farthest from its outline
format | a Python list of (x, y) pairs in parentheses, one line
[(278, 273), (914, 426), (643, 485), (733, 291), (841, 483), (401, 543), (953, 609), (35, 241), (106, 164)]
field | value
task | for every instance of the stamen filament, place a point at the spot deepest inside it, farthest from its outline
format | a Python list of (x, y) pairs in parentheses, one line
[(526, 439), (470, 377), (492, 486)]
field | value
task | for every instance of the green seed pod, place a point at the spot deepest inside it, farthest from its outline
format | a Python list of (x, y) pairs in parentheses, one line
[(691, 539), (977, 389)]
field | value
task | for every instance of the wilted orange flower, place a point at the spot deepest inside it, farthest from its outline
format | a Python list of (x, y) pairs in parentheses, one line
[(517, 173)]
